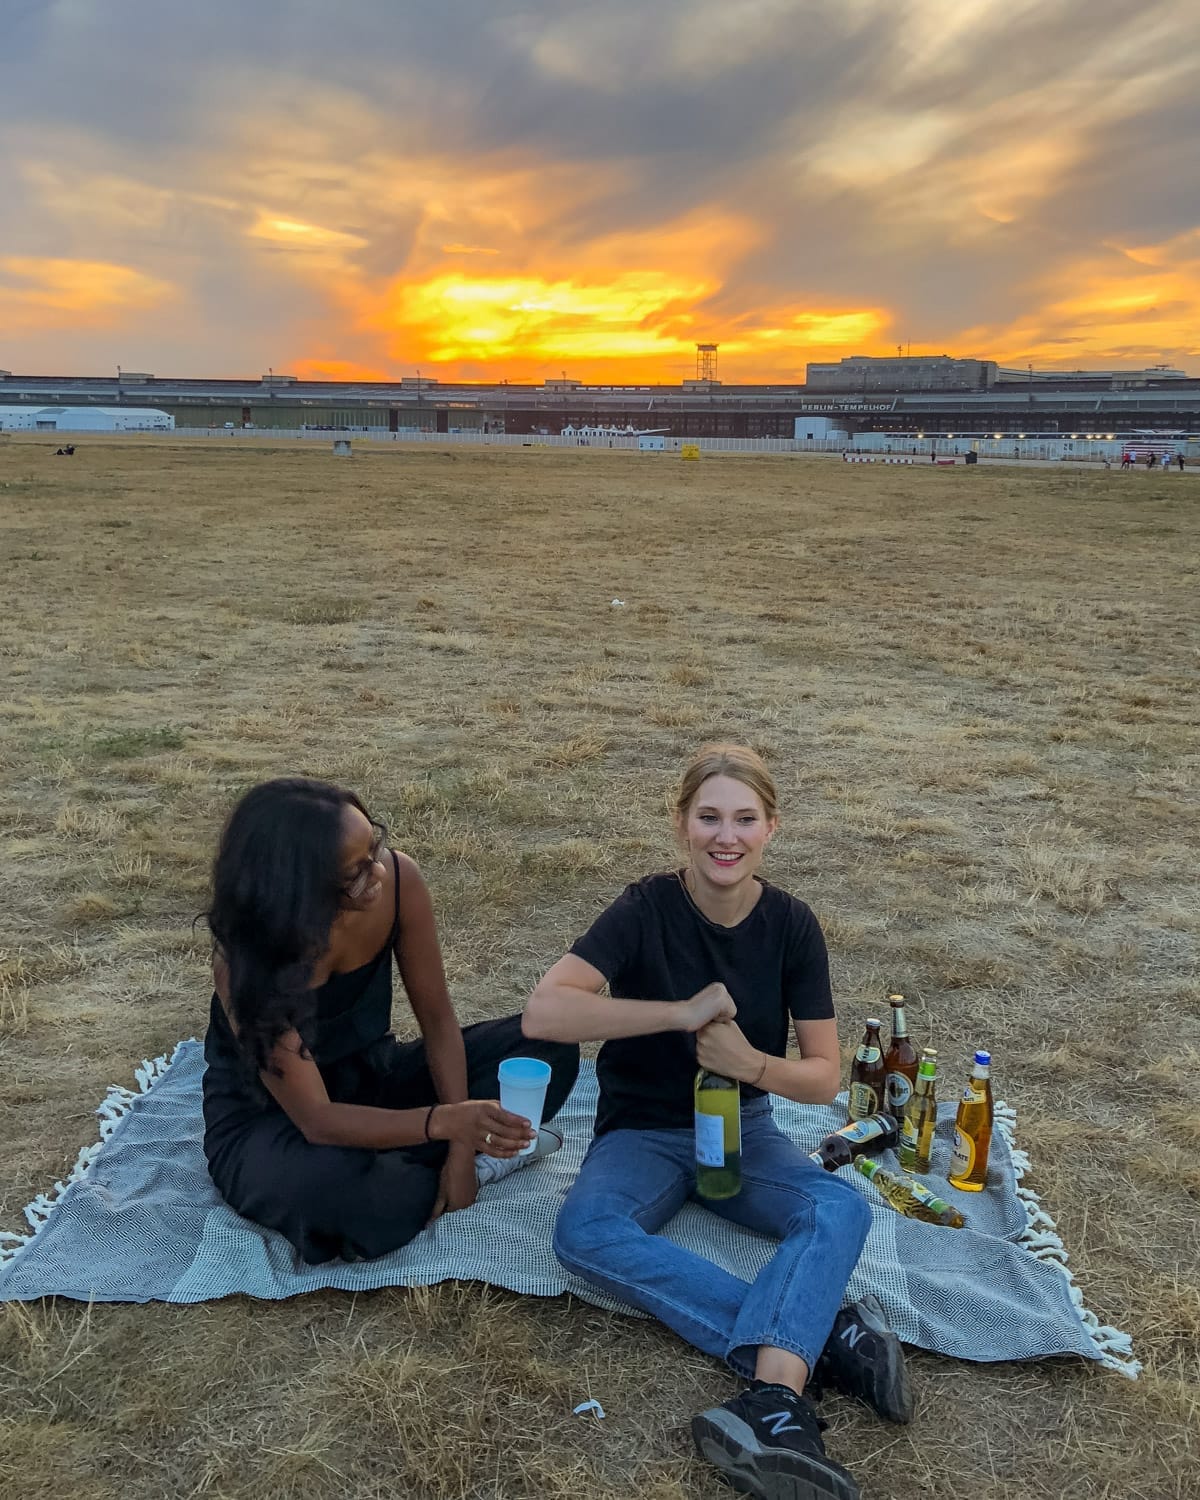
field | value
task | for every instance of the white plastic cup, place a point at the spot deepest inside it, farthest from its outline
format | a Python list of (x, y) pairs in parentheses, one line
[(523, 1082)]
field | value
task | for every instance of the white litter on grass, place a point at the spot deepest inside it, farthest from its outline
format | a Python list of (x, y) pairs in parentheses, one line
[(618, 604), (590, 1406)]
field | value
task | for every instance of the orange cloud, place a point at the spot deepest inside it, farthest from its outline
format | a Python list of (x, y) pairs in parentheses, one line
[(76, 293), (1126, 307)]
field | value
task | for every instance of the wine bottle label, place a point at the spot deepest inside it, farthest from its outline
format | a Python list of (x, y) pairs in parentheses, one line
[(710, 1140), (962, 1158), (899, 1091), (868, 1054), (864, 1100)]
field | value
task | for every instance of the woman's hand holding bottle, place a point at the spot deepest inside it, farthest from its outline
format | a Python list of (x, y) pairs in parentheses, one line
[(712, 1003)]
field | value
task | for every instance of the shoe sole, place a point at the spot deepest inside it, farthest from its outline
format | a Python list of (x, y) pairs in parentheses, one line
[(891, 1396), (729, 1444)]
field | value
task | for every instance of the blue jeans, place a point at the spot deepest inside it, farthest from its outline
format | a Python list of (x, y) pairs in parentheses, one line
[(633, 1181)]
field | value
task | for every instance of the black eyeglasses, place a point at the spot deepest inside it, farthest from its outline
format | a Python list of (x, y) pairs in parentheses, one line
[(357, 886)]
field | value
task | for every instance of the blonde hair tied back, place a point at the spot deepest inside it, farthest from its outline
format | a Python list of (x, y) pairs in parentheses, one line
[(738, 762)]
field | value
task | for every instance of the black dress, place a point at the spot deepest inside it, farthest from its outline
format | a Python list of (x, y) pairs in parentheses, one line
[(348, 1201)]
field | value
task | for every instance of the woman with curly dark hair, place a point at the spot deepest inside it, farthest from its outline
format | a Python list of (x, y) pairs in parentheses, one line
[(318, 1122)]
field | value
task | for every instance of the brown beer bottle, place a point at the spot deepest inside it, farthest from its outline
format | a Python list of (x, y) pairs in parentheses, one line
[(867, 1074), (900, 1064), (840, 1147)]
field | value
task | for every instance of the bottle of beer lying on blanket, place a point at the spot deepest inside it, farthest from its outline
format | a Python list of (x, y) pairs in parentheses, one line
[(867, 1074), (876, 1133), (912, 1199), (900, 1064), (718, 1135), (920, 1117), (973, 1129)]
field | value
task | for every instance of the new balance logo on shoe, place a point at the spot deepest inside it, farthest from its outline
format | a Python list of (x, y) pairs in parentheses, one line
[(781, 1421), (852, 1333)]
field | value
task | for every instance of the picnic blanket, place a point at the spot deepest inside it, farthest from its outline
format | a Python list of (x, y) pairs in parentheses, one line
[(139, 1220)]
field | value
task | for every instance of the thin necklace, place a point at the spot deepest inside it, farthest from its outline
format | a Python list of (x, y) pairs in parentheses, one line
[(691, 901)]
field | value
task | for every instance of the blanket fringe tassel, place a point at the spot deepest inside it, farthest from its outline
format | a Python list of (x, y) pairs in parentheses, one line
[(1040, 1237), (115, 1106)]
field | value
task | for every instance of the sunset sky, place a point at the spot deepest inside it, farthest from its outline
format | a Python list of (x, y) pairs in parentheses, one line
[(516, 188)]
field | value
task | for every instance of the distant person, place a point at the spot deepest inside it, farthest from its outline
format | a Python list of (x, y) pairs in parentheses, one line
[(319, 1123), (1179, 461), (1126, 460), (1107, 462), (1151, 460), (711, 964)]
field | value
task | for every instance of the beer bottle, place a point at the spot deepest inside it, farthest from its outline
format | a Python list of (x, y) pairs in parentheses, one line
[(900, 1064), (867, 1074), (912, 1199), (877, 1132), (920, 1117), (718, 1135), (973, 1129)]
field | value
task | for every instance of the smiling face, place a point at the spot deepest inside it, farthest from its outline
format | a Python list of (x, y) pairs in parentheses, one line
[(725, 830), (360, 871)]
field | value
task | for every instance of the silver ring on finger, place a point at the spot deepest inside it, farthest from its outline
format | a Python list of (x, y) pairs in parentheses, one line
[(487, 1140)]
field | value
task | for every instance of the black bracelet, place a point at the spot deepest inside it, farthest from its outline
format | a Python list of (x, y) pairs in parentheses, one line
[(429, 1117)]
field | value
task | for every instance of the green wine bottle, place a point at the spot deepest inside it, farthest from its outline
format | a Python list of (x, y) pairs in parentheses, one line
[(718, 1136)]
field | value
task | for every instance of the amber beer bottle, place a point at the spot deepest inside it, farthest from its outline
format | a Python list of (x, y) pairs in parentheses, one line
[(973, 1129), (840, 1147), (900, 1064), (920, 1117), (867, 1074)]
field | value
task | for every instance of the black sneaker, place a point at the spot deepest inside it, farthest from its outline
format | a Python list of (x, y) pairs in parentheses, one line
[(767, 1442), (862, 1357)]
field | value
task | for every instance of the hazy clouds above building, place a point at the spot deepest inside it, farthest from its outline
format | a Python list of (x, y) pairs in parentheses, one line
[(516, 189)]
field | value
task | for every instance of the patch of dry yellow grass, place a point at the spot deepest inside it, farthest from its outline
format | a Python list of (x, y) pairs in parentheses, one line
[(977, 692)]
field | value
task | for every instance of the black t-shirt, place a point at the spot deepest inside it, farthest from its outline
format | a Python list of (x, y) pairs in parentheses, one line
[(653, 943)]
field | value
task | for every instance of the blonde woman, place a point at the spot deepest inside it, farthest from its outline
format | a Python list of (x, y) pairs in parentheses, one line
[(708, 965)]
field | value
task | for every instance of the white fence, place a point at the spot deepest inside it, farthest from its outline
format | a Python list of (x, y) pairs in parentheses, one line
[(1007, 450)]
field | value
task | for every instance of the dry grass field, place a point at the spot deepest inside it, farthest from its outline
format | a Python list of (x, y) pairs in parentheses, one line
[(978, 691)]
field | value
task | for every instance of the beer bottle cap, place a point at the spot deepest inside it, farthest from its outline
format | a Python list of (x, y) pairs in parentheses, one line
[(984, 1058), (873, 1021)]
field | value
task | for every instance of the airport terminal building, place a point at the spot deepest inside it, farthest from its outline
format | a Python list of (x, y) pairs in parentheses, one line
[(921, 396)]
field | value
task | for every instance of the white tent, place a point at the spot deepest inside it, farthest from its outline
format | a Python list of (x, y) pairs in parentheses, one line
[(86, 419)]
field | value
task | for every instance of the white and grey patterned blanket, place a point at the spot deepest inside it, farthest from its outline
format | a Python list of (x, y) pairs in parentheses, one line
[(139, 1220)]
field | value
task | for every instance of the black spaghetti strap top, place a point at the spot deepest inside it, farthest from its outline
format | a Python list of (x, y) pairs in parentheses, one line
[(349, 1013)]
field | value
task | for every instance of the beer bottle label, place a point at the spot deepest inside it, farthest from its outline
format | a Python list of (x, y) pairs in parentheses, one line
[(863, 1100), (908, 1132), (868, 1054), (930, 1199), (710, 1140), (861, 1130), (899, 1091), (963, 1157)]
